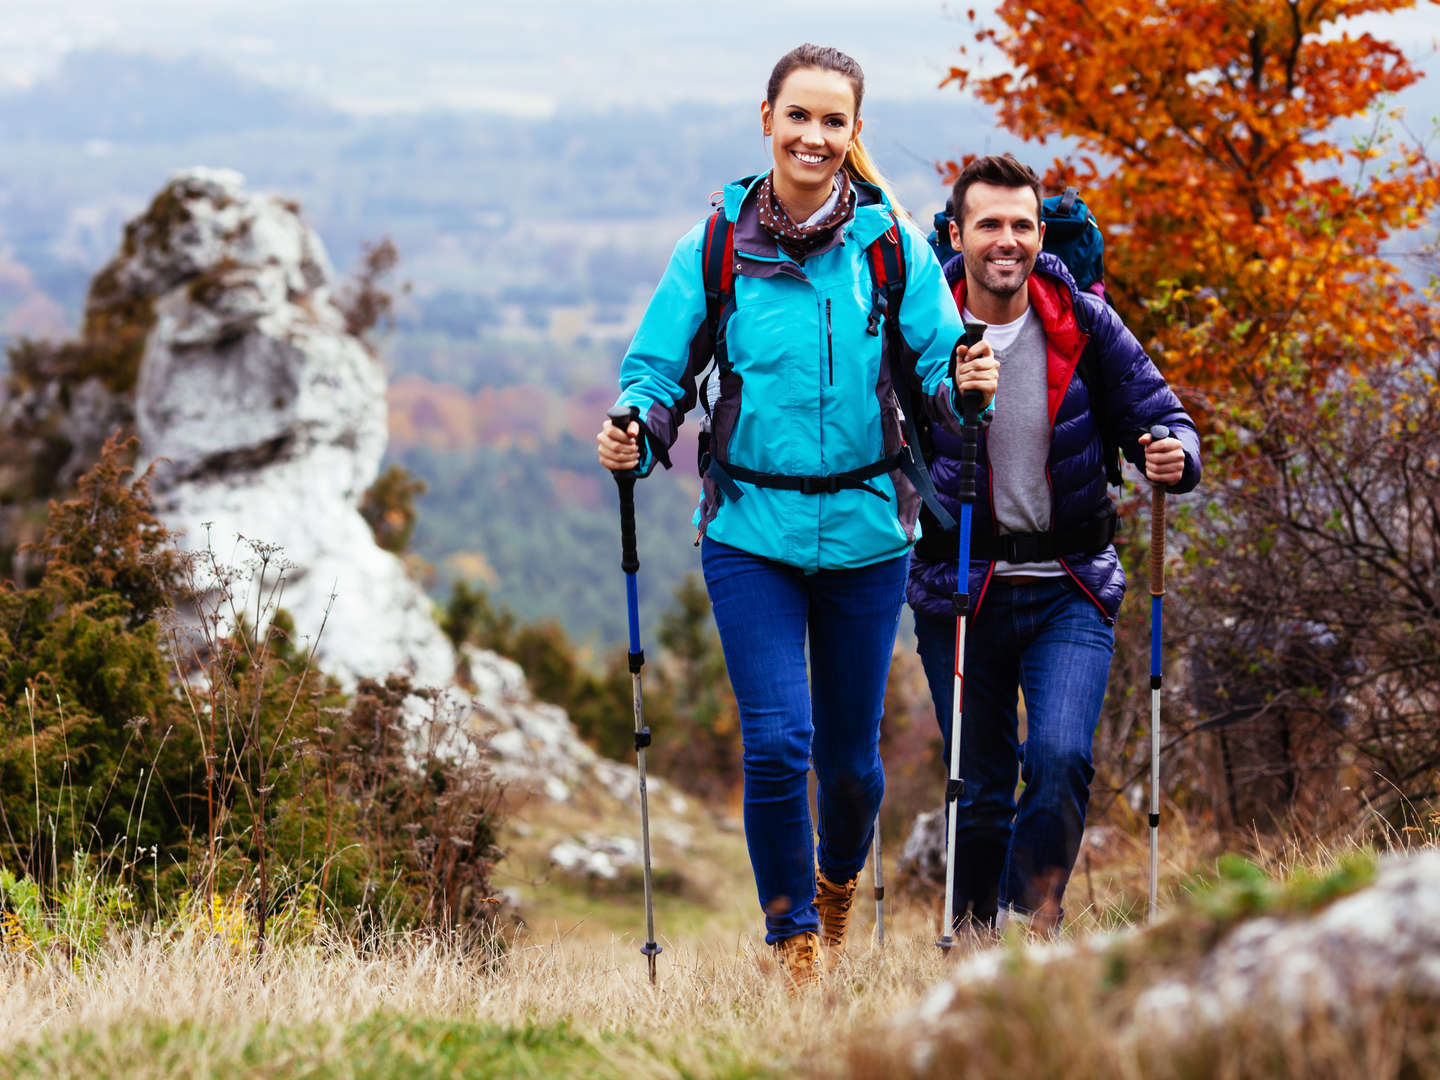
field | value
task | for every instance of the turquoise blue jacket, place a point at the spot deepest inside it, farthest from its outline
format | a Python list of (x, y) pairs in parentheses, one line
[(805, 385)]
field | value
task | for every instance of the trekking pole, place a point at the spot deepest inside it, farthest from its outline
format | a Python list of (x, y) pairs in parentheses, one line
[(879, 888), (954, 786), (1157, 622), (621, 417)]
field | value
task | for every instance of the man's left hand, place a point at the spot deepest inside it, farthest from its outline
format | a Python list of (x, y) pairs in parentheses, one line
[(1164, 460)]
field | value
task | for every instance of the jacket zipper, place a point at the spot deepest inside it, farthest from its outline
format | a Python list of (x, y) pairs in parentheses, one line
[(829, 342)]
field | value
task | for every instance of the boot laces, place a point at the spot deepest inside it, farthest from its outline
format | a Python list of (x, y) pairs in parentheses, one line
[(833, 903)]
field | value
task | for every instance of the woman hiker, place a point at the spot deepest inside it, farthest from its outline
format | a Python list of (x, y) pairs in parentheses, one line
[(807, 512)]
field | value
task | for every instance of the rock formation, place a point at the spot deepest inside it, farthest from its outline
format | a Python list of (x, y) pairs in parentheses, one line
[(266, 419), (216, 335)]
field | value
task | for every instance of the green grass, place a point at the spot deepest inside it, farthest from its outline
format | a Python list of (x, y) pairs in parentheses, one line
[(381, 1045)]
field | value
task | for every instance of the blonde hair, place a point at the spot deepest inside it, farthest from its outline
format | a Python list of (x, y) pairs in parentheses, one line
[(860, 167)]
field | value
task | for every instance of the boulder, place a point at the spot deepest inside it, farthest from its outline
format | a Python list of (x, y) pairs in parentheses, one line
[(1200, 982)]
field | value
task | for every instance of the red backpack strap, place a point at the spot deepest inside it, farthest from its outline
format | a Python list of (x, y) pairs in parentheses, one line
[(888, 259), (718, 262), (887, 273)]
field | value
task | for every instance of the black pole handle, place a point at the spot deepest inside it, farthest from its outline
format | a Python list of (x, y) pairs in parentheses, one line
[(621, 417), (1157, 524), (970, 403)]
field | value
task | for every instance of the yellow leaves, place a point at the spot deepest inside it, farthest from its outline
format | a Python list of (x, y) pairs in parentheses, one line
[(227, 919), (13, 938)]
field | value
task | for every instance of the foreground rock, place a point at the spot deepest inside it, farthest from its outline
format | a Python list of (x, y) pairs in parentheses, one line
[(1190, 990)]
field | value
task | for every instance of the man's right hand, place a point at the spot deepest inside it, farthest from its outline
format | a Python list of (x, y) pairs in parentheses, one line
[(619, 450), (977, 369)]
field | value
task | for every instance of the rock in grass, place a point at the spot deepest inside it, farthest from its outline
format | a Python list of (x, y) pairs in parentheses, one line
[(1243, 977)]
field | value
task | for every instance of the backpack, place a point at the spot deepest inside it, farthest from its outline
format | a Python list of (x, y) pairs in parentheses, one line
[(1073, 236), (887, 274), (939, 238)]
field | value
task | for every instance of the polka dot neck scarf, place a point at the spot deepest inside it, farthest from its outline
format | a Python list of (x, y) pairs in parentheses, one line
[(800, 240)]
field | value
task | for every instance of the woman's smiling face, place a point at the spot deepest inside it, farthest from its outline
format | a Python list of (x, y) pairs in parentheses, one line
[(812, 123)]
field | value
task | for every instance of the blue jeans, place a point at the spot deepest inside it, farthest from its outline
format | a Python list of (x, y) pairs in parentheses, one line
[(1049, 640), (764, 610)]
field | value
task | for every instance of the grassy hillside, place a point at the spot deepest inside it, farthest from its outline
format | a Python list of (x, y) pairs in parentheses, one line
[(569, 996)]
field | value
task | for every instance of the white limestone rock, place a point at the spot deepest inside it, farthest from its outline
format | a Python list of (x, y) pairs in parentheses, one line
[(597, 856), (535, 745), (922, 859), (266, 420), (1364, 947)]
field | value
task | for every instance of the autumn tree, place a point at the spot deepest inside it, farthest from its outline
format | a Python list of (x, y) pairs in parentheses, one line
[(1244, 225), (1249, 173)]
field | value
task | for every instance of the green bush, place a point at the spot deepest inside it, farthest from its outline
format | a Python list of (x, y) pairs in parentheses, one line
[(190, 757)]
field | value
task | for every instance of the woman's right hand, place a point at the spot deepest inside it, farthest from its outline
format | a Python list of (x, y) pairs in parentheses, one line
[(619, 450)]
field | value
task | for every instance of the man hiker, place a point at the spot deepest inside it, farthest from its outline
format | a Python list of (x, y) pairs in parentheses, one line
[(1045, 583)]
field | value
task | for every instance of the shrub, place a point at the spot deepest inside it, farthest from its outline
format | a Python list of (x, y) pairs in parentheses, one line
[(203, 756)]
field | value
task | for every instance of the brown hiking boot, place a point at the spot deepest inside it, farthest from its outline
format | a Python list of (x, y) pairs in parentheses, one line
[(800, 958), (833, 903)]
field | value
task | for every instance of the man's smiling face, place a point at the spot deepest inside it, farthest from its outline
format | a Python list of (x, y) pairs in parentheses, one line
[(999, 230)]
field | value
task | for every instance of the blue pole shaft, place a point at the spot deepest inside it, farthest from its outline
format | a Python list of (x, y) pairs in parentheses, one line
[(970, 404), (632, 606)]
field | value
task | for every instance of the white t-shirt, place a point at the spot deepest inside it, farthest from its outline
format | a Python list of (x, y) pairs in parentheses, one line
[(820, 215)]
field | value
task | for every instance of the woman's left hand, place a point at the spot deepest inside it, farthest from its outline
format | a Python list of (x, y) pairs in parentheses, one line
[(976, 369)]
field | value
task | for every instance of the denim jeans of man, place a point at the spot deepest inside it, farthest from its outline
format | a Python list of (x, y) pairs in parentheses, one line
[(764, 611), (1045, 638)]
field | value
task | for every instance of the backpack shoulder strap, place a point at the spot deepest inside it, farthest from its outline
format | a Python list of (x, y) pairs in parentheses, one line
[(1089, 371), (718, 261), (887, 269), (717, 270), (887, 272)]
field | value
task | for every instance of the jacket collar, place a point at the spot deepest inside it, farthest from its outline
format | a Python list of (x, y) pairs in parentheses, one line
[(755, 248)]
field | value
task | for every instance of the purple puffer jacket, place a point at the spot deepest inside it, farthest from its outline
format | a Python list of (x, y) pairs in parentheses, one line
[(1137, 397)]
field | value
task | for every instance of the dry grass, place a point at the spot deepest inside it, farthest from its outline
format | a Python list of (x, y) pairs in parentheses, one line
[(718, 1010), (568, 994)]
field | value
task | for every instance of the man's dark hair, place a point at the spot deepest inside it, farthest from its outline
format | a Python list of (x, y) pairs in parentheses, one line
[(1002, 170)]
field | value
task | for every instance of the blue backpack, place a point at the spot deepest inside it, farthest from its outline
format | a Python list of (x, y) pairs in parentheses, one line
[(1072, 234)]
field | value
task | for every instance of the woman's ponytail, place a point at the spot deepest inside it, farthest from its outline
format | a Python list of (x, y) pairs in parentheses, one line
[(860, 167)]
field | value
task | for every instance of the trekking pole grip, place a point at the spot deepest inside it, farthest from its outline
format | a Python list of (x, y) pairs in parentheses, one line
[(1157, 524), (970, 405), (620, 417)]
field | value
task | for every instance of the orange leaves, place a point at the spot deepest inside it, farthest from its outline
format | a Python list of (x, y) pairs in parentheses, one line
[(1243, 232)]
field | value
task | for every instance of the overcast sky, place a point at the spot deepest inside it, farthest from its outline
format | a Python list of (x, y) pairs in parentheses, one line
[(531, 55)]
